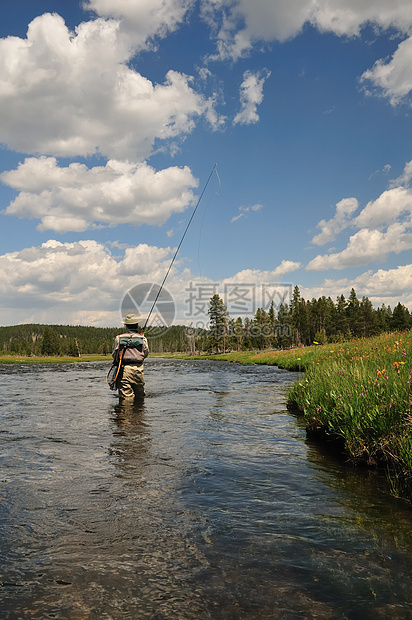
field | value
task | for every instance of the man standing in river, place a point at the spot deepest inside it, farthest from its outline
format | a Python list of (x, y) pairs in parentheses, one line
[(130, 349)]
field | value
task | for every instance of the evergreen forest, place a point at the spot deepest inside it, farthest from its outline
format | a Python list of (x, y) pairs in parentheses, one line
[(298, 323)]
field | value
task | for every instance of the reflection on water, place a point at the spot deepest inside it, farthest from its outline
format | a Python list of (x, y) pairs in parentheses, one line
[(204, 501)]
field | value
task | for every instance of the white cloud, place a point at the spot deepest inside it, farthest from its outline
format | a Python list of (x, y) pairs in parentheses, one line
[(329, 229), (405, 177), (144, 19), (243, 211), (263, 277), (393, 79), (251, 95), (386, 209), (67, 279), (385, 226), (69, 94), (82, 282), (347, 17), (364, 247), (385, 170), (242, 23), (387, 287), (74, 198)]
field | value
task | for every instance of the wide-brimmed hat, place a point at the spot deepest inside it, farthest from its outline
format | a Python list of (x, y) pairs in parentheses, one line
[(131, 319)]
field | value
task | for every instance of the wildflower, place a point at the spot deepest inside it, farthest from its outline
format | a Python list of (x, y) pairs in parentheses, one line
[(396, 365)]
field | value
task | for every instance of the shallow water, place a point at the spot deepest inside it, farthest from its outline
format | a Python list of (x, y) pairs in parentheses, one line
[(205, 502)]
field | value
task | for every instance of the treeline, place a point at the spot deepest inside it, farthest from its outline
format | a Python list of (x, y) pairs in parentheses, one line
[(302, 322), (299, 322), (70, 340)]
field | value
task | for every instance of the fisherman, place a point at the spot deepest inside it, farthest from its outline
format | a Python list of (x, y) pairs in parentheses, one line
[(130, 349)]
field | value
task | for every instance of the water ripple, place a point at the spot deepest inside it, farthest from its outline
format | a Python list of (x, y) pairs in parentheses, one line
[(206, 501)]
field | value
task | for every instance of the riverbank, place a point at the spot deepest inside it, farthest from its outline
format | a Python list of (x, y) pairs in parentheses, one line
[(356, 396), (359, 395), (48, 359)]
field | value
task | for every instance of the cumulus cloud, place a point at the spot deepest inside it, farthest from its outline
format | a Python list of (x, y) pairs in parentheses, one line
[(83, 282), (329, 229), (144, 19), (74, 198), (387, 287), (384, 226), (386, 209), (241, 24), (72, 278), (263, 277), (251, 95), (392, 79), (347, 17), (70, 94), (364, 247)]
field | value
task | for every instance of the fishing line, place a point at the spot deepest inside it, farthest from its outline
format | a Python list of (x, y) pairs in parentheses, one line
[(178, 247), (201, 223)]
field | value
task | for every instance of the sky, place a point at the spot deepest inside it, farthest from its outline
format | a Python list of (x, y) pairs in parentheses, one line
[(291, 119)]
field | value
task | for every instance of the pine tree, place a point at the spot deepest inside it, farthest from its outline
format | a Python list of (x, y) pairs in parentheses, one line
[(284, 327), (354, 314), (51, 342), (368, 318), (401, 318), (341, 321), (218, 324)]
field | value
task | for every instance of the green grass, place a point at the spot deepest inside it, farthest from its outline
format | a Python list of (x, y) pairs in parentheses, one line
[(357, 394), (360, 394), (283, 359), (18, 359)]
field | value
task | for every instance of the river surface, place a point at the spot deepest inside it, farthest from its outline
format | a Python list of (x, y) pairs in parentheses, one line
[(205, 502)]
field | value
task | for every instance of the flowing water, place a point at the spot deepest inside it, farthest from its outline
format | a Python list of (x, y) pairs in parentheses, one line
[(204, 502)]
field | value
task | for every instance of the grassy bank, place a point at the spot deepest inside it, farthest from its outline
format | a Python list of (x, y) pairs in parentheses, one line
[(360, 394), (13, 359), (290, 360), (356, 394)]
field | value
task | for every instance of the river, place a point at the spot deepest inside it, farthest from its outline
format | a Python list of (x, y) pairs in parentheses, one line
[(205, 502)]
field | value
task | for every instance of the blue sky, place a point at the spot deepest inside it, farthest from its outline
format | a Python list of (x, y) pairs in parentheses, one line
[(114, 112)]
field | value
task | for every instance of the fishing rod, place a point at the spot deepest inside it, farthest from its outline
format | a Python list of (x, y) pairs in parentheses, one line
[(178, 247)]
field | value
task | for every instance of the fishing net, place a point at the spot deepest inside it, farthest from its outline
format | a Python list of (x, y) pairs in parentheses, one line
[(112, 376), (115, 371)]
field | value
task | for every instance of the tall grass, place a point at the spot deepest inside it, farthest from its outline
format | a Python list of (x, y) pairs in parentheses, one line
[(360, 393)]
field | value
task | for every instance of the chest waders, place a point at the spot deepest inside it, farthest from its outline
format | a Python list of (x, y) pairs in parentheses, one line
[(130, 351)]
